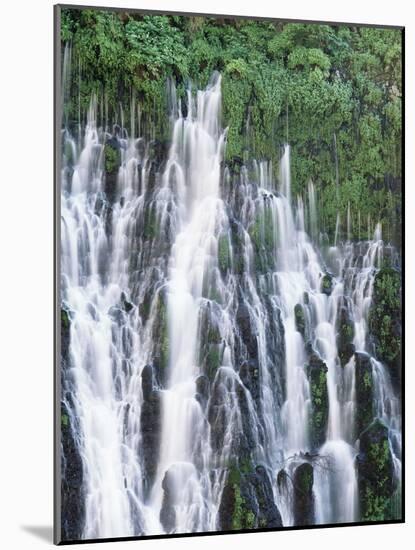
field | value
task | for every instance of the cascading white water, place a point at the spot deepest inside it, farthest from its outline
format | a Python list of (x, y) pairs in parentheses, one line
[(249, 306), (194, 169)]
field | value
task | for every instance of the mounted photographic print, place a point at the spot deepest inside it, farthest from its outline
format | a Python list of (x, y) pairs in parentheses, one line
[(229, 260)]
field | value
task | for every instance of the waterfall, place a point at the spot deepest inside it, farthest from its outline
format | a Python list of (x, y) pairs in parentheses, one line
[(214, 351)]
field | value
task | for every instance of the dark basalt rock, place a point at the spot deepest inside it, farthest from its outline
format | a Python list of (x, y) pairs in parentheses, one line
[(147, 381), (303, 494), (73, 499), (167, 512), (375, 474), (364, 391), (202, 390), (126, 304), (246, 331), (65, 337), (150, 419)]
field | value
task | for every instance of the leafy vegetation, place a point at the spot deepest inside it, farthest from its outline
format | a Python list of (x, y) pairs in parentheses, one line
[(333, 92)]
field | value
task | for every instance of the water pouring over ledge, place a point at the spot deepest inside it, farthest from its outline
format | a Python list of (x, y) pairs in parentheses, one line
[(205, 380)]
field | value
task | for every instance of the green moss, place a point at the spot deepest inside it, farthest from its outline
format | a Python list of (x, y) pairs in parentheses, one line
[(299, 318), (112, 159), (151, 228), (224, 254), (64, 420), (242, 518), (377, 486), (65, 322), (262, 233), (212, 360), (385, 316), (317, 376)]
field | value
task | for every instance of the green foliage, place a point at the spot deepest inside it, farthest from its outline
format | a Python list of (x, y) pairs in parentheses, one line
[(385, 315), (317, 375), (309, 84), (112, 159), (65, 322), (224, 254)]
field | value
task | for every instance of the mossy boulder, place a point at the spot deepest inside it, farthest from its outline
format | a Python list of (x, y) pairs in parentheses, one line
[(303, 494), (247, 500), (326, 284), (364, 391), (112, 161), (317, 377), (345, 335), (300, 320), (375, 474), (385, 320)]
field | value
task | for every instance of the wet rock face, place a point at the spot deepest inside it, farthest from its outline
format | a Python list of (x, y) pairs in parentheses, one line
[(375, 474), (247, 331), (150, 419), (317, 376), (247, 500), (65, 337), (303, 494), (167, 512), (211, 343), (364, 391), (160, 335), (249, 373), (345, 335), (73, 500), (112, 161), (385, 321)]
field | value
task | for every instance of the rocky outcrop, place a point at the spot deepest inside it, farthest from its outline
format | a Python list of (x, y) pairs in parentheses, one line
[(345, 334), (385, 321), (317, 376), (300, 320), (303, 494), (364, 391), (375, 474), (150, 420), (247, 500), (72, 506)]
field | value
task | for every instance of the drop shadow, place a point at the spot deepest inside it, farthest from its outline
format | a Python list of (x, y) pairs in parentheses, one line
[(42, 532)]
